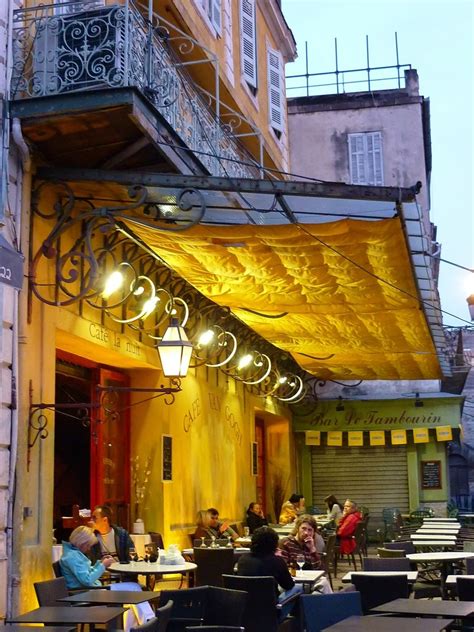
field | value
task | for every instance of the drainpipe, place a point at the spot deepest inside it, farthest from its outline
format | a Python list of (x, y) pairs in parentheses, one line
[(22, 200)]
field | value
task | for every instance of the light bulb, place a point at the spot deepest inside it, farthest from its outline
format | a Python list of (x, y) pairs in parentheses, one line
[(244, 361), (114, 282), (206, 337)]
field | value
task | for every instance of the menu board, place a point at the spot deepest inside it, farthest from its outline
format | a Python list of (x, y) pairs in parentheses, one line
[(431, 474), (167, 458)]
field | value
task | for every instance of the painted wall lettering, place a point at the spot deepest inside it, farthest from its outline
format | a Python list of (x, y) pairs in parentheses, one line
[(192, 415)]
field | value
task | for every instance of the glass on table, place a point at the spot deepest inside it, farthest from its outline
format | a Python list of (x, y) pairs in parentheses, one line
[(132, 555), (300, 560), (246, 532)]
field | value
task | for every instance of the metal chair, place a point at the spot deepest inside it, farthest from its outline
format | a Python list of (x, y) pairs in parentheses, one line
[(157, 539), (401, 545), (329, 558), (375, 591), (48, 592), (262, 611), (159, 623), (383, 552), (211, 564), (465, 588), (322, 611), (386, 564)]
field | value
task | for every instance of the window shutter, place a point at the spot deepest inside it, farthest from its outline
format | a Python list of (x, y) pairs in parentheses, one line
[(215, 14), (357, 159), (248, 50), (275, 93), (374, 156)]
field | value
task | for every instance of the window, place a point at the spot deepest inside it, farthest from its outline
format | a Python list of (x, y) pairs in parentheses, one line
[(276, 99), (365, 158), (213, 12), (248, 44)]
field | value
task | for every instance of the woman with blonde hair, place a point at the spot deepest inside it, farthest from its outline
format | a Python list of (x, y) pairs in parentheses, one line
[(76, 567)]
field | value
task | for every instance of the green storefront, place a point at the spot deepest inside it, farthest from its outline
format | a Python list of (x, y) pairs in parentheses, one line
[(378, 452)]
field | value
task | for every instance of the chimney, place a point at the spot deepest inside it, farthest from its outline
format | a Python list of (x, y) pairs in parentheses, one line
[(411, 82)]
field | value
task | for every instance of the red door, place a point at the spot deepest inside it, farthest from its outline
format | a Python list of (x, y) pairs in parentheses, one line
[(110, 448)]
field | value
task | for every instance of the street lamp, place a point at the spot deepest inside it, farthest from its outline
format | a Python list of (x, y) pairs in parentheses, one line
[(470, 303), (175, 350)]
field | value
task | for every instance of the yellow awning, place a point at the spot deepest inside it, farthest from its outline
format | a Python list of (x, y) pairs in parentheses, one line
[(344, 289)]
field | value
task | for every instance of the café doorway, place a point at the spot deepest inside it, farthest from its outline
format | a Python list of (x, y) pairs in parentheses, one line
[(91, 451)]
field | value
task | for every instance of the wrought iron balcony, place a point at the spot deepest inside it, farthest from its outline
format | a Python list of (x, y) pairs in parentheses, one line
[(84, 45)]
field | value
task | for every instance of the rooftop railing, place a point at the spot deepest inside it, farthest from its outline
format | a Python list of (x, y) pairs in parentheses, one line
[(86, 45)]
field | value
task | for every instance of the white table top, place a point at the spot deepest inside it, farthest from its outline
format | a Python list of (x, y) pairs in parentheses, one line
[(437, 543), (432, 536), (435, 531), (451, 579), (244, 541), (440, 520), (147, 568), (304, 577), (411, 575), (237, 549), (439, 556)]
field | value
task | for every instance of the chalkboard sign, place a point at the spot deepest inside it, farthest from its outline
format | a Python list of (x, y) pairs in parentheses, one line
[(431, 474), (167, 458)]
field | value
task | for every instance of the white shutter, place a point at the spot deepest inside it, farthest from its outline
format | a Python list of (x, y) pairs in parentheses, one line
[(275, 92), (365, 158), (374, 158), (215, 14), (248, 47)]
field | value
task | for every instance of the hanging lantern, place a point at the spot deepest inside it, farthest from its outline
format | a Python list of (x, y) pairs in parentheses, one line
[(175, 350)]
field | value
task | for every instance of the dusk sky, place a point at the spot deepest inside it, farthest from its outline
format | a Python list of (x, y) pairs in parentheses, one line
[(436, 38)]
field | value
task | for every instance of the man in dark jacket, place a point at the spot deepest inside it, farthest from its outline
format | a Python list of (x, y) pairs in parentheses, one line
[(112, 539)]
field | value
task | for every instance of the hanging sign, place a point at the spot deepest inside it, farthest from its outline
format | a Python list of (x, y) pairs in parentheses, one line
[(335, 438), (313, 437), (11, 265), (355, 438), (420, 435), (377, 437), (399, 437), (444, 433)]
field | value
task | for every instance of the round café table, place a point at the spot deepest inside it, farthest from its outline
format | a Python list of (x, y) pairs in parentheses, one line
[(152, 569), (443, 559)]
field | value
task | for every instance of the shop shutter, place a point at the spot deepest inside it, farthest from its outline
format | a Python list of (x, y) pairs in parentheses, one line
[(275, 93), (248, 45), (375, 477)]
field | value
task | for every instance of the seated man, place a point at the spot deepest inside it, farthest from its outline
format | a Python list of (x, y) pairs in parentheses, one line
[(302, 543), (111, 539), (263, 561), (346, 527), (208, 525)]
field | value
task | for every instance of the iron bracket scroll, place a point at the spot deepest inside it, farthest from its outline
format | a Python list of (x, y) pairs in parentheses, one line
[(105, 400)]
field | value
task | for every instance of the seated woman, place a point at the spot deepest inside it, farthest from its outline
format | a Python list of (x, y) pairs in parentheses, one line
[(76, 567), (255, 517), (334, 512), (346, 528), (292, 508)]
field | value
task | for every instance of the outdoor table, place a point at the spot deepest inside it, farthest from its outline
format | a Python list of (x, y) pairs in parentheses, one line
[(244, 541), (451, 579), (439, 528), (435, 608), (433, 536), (13, 627), (443, 558), (455, 520), (388, 624), (65, 615), (238, 551), (151, 569), (111, 597), (435, 543), (307, 578), (410, 575), (437, 532)]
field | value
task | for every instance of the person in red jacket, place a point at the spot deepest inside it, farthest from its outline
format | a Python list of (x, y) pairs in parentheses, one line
[(346, 528)]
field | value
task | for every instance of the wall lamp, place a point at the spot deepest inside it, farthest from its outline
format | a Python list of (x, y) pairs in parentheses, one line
[(470, 304), (419, 403), (175, 350)]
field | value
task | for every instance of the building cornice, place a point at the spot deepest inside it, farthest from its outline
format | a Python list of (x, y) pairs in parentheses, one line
[(279, 28)]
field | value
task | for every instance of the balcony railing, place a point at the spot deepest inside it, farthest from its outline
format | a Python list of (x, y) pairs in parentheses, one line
[(83, 45)]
